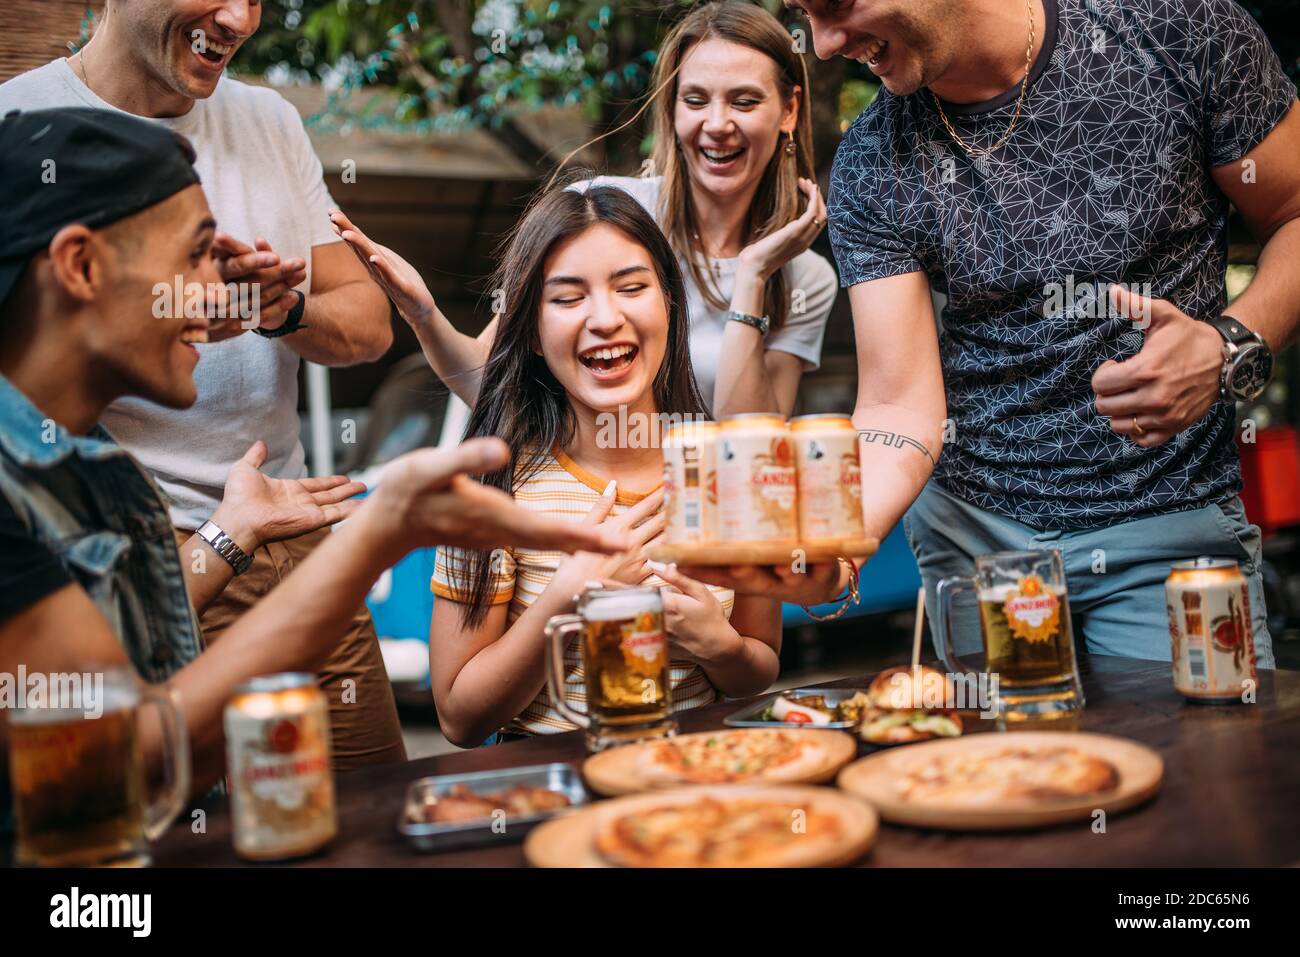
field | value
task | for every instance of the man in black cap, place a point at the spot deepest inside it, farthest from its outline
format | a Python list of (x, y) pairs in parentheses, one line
[(96, 208), (301, 295)]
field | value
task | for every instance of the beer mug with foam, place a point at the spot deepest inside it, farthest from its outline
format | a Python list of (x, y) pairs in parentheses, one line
[(623, 649), (78, 774), (1028, 639)]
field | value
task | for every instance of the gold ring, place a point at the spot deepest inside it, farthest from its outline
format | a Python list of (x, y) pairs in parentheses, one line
[(818, 222), (1137, 428)]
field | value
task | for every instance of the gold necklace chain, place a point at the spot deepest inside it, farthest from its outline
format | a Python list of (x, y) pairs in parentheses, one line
[(81, 61), (1024, 86)]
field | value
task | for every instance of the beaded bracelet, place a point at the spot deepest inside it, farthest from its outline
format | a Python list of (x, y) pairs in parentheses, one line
[(848, 600)]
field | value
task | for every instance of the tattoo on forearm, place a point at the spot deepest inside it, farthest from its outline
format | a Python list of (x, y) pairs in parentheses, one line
[(895, 439)]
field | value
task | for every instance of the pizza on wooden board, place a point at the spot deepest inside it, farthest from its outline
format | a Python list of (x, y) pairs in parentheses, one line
[(714, 831), (997, 775), (721, 757)]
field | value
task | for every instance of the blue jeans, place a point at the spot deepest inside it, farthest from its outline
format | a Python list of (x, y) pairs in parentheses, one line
[(1116, 575)]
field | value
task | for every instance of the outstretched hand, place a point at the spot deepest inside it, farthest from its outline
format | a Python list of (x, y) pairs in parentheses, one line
[(257, 509), (395, 276), (427, 499)]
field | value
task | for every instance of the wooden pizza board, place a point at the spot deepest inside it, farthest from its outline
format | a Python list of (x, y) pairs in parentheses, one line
[(617, 771), (759, 553), (569, 840), (1141, 771)]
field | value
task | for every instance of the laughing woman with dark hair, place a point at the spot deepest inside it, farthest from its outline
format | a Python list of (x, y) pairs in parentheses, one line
[(592, 323), (733, 191)]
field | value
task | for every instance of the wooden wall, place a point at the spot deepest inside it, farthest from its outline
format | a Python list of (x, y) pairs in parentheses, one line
[(33, 32), (447, 229)]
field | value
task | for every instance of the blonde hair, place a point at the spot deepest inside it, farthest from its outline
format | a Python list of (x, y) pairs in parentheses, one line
[(777, 200)]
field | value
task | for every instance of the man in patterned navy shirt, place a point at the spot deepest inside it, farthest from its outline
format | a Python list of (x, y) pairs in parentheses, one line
[(1022, 158)]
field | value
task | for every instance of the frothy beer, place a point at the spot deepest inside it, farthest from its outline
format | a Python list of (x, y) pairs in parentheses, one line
[(757, 480), (1028, 637), (77, 784), (281, 789), (830, 477), (691, 483), (625, 658)]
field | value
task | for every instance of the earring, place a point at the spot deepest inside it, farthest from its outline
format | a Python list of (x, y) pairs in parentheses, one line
[(789, 143)]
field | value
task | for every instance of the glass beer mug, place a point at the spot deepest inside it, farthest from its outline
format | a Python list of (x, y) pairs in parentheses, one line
[(1024, 611), (624, 652), (78, 775)]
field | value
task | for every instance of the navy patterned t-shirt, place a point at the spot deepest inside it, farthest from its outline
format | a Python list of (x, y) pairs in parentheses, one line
[(1105, 179)]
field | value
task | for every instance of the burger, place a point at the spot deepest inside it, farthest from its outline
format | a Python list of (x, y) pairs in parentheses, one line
[(906, 705)]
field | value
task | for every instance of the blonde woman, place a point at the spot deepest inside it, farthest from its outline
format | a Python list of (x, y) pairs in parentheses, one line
[(733, 155)]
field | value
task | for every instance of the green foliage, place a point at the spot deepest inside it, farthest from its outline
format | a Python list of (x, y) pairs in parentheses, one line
[(495, 59), (855, 96)]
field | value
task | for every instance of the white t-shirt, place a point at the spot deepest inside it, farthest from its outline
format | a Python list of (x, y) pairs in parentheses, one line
[(803, 331), (261, 178)]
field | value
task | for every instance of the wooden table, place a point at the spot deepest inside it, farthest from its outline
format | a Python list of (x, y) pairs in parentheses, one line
[(1230, 795)]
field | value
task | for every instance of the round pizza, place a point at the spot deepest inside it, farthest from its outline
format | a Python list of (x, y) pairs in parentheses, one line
[(727, 756), (725, 825), (777, 755), (994, 776), (714, 831)]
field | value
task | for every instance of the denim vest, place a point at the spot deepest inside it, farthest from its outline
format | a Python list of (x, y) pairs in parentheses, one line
[(88, 501)]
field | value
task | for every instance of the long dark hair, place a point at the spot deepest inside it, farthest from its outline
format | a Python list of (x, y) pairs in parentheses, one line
[(520, 400)]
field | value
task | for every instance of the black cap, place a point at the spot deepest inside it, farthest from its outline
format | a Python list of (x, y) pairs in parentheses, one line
[(59, 167)]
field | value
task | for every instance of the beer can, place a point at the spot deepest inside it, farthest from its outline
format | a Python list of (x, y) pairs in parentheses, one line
[(691, 482), (1212, 646), (278, 768), (830, 477), (757, 480)]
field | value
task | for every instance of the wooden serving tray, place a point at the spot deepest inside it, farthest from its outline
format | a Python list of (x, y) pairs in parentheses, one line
[(759, 553), (1141, 771), (570, 839), (629, 769)]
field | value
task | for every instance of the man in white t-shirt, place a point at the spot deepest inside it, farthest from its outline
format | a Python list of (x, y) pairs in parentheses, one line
[(163, 60)]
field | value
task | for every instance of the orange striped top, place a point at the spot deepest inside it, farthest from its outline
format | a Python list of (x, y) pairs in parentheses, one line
[(564, 489)]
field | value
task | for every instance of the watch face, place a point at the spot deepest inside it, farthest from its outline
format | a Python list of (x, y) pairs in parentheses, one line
[(1250, 373)]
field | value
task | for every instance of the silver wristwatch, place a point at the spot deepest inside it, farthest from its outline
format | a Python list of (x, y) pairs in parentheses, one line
[(1247, 360), (225, 546), (761, 323)]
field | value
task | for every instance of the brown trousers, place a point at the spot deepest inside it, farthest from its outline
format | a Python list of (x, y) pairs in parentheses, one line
[(363, 715)]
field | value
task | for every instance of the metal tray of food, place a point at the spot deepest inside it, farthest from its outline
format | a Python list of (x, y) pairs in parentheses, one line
[(499, 824), (751, 716)]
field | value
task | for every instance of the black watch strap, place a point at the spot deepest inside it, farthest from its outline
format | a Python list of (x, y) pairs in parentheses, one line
[(1247, 360), (292, 323), (1232, 330)]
